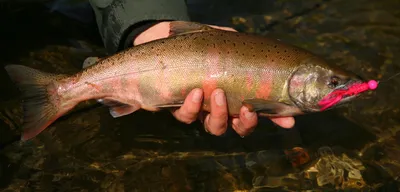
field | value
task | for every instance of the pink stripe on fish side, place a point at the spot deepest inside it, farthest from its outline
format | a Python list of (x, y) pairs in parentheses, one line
[(213, 73), (265, 86), (209, 85)]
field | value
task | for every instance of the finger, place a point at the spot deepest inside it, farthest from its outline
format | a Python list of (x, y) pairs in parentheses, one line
[(246, 122), (216, 122), (158, 31), (284, 122), (191, 107)]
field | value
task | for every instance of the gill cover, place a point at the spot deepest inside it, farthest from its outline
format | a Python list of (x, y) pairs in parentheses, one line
[(308, 84)]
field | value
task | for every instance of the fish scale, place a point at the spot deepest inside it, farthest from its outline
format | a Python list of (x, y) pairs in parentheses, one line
[(266, 75)]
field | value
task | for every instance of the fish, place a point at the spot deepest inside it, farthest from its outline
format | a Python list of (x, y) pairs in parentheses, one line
[(270, 77)]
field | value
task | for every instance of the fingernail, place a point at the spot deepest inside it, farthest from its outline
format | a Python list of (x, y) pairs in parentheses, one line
[(220, 98), (197, 96), (249, 115)]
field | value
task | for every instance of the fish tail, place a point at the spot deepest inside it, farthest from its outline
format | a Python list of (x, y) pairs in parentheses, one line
[(41, 103)]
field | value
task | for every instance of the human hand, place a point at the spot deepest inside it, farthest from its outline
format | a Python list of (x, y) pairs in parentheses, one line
[(216, 122)]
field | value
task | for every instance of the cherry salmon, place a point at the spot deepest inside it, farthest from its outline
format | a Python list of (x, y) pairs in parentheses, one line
[(266, 75)]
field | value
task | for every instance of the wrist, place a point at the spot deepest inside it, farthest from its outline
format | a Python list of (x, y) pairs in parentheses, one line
[(138, 32)]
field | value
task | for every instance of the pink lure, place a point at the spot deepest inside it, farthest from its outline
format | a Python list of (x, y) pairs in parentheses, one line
[(337, 95)]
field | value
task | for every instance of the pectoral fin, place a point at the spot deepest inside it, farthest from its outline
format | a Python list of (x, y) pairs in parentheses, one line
[(271, 108), (170, 105)]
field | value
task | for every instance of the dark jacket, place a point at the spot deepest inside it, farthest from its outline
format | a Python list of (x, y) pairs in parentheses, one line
[(119, 21)]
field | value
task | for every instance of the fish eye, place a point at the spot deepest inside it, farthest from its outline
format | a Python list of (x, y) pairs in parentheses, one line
[(334, 82)]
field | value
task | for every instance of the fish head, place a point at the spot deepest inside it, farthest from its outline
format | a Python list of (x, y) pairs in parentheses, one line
[(314, 79)]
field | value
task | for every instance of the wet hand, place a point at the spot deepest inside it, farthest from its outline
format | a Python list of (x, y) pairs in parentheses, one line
[(216, 122)]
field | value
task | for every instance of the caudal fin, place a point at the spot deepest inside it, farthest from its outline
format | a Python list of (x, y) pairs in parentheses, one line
[(40, 100)]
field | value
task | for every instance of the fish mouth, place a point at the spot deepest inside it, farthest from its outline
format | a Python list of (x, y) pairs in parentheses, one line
[(344, 101), (347, 99), (339, 96)]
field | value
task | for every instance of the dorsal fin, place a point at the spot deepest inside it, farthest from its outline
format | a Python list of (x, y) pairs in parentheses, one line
[(185, 27)]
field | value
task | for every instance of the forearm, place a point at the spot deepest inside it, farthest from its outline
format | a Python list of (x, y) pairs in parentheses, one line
[(121, 20)]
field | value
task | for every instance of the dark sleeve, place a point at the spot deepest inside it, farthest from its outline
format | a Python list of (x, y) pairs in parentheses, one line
[(119, 21)]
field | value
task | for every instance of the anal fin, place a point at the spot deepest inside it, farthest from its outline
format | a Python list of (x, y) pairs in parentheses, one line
[(122, 110), (118, 109)]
